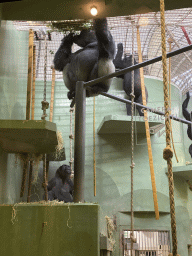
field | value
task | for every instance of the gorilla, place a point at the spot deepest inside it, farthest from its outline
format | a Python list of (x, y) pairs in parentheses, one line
[(94, 60), (187, 116), (61, 186), (127, 79)]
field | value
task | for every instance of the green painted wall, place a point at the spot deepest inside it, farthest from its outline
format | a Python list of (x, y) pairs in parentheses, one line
[(112, 150)]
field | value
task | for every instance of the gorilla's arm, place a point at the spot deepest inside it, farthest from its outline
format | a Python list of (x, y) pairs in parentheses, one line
[(186, 113), (63, 54), (70, 182), (106, 44), (51, 184)]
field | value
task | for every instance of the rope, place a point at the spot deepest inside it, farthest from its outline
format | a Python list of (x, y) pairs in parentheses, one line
[(147, 129), (71, 139), (45, 172), (170, 41), (33, 85), (29, 78), (30, 182), (167, 153), (25, 168), (52, 94), (94, 158), (44, 103), (132, 141)]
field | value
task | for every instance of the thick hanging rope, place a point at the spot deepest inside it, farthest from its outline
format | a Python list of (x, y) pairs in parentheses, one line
[(170, 42), (168, 153), (94, 158), (147, 129), (132, 142)]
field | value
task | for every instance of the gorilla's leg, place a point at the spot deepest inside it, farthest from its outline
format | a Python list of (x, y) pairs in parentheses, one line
[(190, 150), (186, 113), (63, 54), (128, 106), (118, 62), (139, 100)]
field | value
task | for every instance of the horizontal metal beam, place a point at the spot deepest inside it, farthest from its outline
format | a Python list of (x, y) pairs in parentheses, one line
[(139, 65), (108, 95)]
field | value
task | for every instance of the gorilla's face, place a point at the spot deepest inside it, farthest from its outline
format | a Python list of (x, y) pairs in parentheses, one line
[(64, 172), (86, 37)]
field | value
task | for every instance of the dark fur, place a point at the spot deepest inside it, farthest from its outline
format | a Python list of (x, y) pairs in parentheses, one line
[(187, 116), (127, 78), (84, 64)]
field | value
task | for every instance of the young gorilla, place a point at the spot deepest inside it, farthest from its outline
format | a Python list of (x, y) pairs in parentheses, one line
[(61, 186), (94, 60), (187, 116), (127, 79)]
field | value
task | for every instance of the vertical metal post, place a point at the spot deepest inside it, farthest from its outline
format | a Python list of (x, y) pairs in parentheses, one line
[(79, 155)]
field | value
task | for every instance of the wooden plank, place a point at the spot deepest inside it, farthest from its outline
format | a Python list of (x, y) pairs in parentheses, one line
[(147, 130)]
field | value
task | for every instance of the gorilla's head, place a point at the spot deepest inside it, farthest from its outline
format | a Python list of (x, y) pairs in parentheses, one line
[(63, 172), (85, 37)]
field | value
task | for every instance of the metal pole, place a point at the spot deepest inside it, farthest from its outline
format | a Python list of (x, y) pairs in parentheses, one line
[(79, 155)]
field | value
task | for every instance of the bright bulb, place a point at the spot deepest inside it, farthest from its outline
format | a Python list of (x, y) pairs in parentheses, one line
[(94, 11)]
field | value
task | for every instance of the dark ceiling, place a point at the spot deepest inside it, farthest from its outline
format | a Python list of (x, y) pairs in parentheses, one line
[(80, 9)]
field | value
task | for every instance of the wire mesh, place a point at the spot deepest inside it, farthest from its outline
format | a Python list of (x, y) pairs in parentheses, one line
[(120, 27)]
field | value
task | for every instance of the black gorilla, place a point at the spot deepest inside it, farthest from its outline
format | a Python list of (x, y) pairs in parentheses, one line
[(127, 78), (187, 116), (61, 186), (94, 60)]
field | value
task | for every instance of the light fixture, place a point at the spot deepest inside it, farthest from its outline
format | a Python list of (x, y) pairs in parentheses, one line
[(93, 10)]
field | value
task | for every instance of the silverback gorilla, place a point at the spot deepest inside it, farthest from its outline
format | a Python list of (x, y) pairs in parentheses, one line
[(94, 60), (127, 78), (61, 186), (187, 116)]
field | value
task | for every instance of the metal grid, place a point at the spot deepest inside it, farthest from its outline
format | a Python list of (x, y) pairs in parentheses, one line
[(148, 243), (176, 22)]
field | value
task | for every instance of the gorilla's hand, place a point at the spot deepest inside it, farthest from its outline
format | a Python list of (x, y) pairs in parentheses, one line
[(68, 40), (120, 47), (71, 95)]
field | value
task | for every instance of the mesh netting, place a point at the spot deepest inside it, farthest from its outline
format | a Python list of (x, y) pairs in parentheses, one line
[(178, 28)]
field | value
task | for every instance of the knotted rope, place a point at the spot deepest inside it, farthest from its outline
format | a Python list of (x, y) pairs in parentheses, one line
[(168, 153)]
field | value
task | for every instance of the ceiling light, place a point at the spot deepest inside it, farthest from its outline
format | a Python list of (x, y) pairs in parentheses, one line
[(94, 11)]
